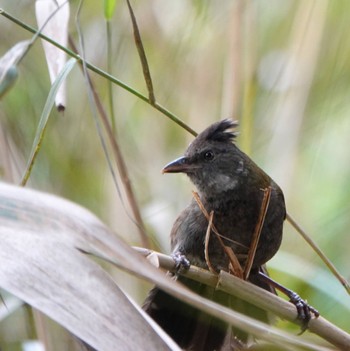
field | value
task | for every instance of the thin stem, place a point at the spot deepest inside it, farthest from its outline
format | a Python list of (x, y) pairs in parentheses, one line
[(259, 297), (319, 252), (109, 68), (116, 148), (234, 264), (256, 235), (102, 73), (143, 57), (206, 243)]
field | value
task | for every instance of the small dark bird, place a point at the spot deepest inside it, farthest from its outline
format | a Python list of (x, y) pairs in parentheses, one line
[(231, 185)]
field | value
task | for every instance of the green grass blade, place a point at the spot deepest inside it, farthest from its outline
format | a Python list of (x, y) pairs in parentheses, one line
[(45, 117)]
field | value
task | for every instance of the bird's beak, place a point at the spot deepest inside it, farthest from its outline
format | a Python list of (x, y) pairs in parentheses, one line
[(179, 165)]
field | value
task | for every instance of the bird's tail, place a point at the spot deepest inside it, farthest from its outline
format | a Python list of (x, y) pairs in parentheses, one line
[(193, 329)]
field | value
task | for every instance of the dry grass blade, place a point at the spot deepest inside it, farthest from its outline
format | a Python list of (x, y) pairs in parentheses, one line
[(234, 266), (256, 236), (119, 159), (319, 252), (206, 243), (206, 214), (142, 54)]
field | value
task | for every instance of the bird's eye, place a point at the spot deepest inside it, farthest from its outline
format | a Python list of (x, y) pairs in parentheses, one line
[(208, 155)]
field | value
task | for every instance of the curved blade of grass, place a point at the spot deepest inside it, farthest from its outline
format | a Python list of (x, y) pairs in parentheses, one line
[(97, 106), (142, 55), (320, 253), (45, 117), (313, 275)]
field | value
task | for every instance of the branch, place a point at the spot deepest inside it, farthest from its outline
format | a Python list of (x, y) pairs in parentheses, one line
[(254, 295), (102, 73)]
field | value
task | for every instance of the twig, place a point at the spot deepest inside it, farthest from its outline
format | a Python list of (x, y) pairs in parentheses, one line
[(256, 235), (256, 296)]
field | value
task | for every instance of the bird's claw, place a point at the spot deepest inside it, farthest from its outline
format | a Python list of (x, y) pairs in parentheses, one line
[(181, 261), (304, 310)]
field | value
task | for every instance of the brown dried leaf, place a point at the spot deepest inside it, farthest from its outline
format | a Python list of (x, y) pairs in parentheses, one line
[(206, 244), (256, 235), (235, 266)]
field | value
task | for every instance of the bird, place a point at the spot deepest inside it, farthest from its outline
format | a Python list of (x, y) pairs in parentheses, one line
[(231, 186)]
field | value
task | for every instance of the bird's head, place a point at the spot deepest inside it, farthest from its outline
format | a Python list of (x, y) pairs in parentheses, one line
[(212, 161)]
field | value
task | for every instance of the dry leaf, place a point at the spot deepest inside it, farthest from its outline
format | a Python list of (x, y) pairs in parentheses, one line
[(40, 264), (57, 29)]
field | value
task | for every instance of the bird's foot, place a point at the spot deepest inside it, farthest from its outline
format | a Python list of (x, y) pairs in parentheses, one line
[(181, 261), (304, 310)]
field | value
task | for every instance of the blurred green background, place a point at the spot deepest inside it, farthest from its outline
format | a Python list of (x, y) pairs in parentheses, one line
[(282, 68)]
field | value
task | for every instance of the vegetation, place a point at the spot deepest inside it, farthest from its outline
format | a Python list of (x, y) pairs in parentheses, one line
[(280, 68)]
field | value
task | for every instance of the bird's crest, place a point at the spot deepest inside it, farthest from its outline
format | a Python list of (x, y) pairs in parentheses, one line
[(220, 131)]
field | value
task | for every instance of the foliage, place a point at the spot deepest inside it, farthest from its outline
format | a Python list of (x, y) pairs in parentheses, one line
[(281, 68)]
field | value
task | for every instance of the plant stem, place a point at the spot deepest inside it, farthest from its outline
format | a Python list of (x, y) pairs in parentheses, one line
[(102, 73), (254, 295)]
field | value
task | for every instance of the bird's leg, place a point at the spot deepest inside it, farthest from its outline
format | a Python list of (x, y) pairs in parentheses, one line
[(304, 310), (181, 261)]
